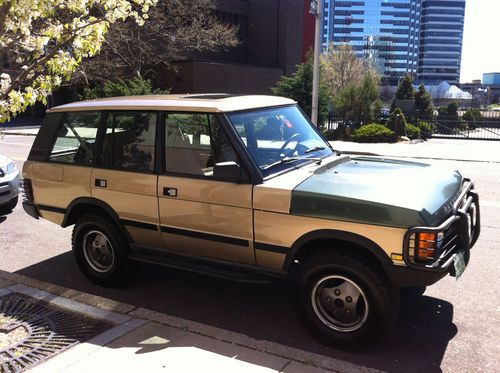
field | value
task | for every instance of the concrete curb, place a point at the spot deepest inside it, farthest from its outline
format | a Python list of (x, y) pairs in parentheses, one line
[(122, 314)]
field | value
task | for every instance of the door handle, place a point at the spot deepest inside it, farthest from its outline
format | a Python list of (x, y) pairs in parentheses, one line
[(101, 183), (170, 192)]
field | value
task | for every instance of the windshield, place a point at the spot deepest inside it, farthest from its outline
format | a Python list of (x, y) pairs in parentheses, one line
[(279, 138)]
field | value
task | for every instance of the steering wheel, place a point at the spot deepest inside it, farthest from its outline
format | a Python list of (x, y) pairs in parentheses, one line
[(294, 137)]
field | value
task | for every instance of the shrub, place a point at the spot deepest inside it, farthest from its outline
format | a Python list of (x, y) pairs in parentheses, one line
[(391, 123), (340, 133), (426, 129), (373, 133), (413, 132), (472, 117)]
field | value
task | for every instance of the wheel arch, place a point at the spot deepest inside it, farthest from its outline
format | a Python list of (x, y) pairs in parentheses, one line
[(83, 205), (322, 239)]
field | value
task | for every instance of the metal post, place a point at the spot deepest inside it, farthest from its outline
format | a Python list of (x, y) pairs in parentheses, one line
[(317, 46)]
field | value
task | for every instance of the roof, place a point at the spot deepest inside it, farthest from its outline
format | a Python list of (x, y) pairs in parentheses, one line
[(446, 91), (199, 102)]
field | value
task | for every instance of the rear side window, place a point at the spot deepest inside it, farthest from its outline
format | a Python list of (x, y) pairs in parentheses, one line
[(129, 141), (75, 139)]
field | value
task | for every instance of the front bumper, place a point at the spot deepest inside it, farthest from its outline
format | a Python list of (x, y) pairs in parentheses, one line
[(9, 187), (461, 231)]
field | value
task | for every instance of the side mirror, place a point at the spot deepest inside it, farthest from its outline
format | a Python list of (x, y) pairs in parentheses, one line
[(229, 171)]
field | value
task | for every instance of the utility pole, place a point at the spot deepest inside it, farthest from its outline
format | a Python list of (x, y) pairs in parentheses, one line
[(316, 10)]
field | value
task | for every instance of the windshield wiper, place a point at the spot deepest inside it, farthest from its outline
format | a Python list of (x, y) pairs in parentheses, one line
[(290, 159), (314, 149)]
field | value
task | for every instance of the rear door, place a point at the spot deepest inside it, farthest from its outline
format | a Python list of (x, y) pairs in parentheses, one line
[(200, 215), (125, 176)]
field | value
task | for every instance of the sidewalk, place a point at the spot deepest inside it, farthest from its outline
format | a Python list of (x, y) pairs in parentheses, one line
[(148, 341)]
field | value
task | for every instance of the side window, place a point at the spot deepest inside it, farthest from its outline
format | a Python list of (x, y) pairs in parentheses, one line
[(75, 142), (194, 143), (129, 141)]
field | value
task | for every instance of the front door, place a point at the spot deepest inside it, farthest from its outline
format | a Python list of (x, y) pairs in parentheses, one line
[(200, 215)]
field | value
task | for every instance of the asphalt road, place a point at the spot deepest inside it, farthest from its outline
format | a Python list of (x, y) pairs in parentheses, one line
[(454, 327)]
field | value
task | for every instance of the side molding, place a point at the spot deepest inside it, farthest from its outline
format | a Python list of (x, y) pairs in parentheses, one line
[(349, 237)]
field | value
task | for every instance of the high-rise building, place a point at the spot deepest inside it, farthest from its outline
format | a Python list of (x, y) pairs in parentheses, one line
[(422, 37)]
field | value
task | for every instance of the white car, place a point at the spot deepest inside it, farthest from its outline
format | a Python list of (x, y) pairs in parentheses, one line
[(9, 183)]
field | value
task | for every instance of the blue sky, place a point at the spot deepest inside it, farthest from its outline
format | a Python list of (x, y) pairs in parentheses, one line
[(481, 44)]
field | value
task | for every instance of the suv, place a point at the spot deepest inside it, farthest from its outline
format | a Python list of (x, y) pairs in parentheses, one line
[(9, 184), (246, 188)]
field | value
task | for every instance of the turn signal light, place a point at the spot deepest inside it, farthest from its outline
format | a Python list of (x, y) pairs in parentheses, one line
[(426, 246)]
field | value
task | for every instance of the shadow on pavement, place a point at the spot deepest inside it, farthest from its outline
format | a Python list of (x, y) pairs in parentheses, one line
[(265, 312)]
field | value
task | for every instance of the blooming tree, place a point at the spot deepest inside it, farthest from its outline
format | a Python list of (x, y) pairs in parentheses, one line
[(43, 41)]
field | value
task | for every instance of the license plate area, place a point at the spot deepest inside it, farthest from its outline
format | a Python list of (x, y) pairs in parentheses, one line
[(458, 265)]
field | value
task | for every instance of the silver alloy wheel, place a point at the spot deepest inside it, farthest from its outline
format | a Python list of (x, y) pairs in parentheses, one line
[(98, 251), (339, 303)]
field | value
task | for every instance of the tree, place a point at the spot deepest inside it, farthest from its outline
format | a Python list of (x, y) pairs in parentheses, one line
[(405, 90), (423, 102), (391, 123), (174, 28), (341, 67), (43, 41), (358, 102), (299, 88)]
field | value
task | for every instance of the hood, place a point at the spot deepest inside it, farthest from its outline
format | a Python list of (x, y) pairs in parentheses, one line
[(379, 191)]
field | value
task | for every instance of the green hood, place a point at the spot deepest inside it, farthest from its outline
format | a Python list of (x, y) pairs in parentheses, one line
[(379, 191)]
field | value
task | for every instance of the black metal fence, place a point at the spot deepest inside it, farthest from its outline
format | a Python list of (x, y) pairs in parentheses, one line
[(485, 129)]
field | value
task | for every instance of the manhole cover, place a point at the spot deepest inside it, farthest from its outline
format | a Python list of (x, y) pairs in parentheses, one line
[(31, 331)]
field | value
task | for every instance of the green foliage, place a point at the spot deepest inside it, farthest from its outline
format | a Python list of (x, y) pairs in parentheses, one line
[(405, 90), (373, 133), (426, 129), (472, 117), (134, 87), (298, 87), (391, 123), (340, 133), (357, 103), (448, 118), (423, 102), (413, 132)]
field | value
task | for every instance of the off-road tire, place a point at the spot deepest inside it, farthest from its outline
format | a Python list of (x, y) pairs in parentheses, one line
[(112, 274), (377, 306)]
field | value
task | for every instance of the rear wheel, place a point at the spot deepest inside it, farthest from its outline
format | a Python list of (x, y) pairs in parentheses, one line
[(100, 250), (345, 300)]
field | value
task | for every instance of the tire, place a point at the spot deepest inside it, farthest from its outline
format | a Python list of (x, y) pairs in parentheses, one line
[(101, 251), (344, 300), (11, 205)]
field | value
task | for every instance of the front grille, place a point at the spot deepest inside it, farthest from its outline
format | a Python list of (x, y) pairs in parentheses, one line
[(457, 233), (5, 193)]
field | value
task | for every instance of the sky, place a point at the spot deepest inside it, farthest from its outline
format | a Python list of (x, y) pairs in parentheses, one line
[(481, 44)]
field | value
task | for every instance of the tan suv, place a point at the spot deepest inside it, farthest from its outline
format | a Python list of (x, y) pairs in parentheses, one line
[(245, 188)]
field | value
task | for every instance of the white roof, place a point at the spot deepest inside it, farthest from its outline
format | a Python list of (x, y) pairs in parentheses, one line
[(196, 103)]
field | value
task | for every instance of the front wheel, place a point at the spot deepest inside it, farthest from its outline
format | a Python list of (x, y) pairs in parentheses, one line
[(345, 300), (100, 250)]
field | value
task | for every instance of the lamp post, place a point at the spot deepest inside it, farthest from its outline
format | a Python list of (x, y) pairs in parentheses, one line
[(316, 10)]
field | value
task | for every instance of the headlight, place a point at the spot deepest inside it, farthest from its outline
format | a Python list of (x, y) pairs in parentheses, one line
[(10, 168)]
